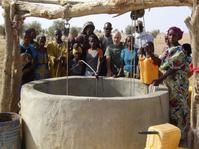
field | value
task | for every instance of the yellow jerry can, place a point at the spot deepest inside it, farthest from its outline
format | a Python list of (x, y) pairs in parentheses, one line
[(150, 71), (168, 137), (141, 66)]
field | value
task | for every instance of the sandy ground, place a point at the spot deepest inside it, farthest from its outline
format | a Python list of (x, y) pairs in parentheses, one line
[(158, 42)]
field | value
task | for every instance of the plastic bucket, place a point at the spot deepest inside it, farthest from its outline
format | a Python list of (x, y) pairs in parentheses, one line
[(10, 131)]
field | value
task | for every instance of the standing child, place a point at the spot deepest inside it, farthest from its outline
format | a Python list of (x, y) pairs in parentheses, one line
[(187, 51), (129, 58), (150, 68), (27, 75), (42, 69), (93, 56), (75, 66), (28, 55)]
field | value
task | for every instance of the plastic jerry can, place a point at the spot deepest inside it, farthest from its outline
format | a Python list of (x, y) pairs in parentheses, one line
[(150, 71), (168, 137), (141, 67)]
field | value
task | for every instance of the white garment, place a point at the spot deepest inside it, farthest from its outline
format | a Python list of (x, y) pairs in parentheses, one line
[(142, 38)]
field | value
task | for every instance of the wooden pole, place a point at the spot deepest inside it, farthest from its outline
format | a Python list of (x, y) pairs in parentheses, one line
[(6, 73), (16, 70), (193, 26)]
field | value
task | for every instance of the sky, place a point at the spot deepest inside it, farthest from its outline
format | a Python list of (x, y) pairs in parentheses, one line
[(154, 18)]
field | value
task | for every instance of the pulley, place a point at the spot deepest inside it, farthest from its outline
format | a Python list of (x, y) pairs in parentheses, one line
[(66, 28), (137, 14)]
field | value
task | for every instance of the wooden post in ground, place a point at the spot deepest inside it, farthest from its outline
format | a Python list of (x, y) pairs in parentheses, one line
[(16, 68), (193, 26), (11, 76), (7, 63)]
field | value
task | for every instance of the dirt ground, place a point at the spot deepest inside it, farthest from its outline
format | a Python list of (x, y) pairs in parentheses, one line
[(158, 42)]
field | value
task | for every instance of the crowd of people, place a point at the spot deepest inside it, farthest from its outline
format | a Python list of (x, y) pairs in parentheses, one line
[(108, 56)]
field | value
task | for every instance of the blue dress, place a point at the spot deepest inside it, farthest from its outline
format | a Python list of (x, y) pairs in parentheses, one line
[(130, 59)]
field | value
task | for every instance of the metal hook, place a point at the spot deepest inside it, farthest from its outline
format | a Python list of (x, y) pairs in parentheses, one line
[(66, 27)]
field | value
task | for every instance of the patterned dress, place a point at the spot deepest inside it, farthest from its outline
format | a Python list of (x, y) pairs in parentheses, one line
[(178, 85)]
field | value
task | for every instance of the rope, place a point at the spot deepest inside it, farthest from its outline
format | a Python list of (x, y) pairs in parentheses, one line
[(67, 26), (192, 69), (196, 69), (66, 12)]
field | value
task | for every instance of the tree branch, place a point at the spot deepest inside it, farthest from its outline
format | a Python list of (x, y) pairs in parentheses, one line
[(187, 21)]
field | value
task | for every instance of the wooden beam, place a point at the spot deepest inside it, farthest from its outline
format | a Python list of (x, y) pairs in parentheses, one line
[(93, 7), (55, 1)]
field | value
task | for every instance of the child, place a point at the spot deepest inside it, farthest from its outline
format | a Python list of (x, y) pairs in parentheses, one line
[(187, 51), (129, 58), (27, 75), (41, 69), (93, 56), (27, 58), (149, 68), (75, 66)]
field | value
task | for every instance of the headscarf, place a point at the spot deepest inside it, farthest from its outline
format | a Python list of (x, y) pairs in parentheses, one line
[(177, 30), (89, 23)]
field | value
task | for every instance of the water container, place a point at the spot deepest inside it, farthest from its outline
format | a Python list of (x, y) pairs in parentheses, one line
[(168, 137), (10, 131), (141, 65), (150, 71)]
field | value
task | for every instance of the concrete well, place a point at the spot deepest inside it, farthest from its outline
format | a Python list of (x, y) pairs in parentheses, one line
[(102, 114)]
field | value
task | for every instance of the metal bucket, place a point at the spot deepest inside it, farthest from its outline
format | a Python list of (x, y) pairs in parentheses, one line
[(10, 131)]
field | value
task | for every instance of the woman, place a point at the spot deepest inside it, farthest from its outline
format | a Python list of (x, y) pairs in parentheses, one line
[(175, 68)]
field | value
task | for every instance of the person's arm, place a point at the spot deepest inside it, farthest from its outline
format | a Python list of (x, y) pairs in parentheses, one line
[(108, 61), (64, 52), (155, 59), (175, 63), (161, 79), (100, 55), (51, 57)]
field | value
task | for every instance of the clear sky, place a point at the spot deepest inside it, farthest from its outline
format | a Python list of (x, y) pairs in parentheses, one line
[(155, 18)]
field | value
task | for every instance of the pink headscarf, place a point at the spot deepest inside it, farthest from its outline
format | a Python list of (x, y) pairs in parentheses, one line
[(177, 30)]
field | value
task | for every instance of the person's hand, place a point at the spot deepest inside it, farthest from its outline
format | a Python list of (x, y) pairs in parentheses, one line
[(97, 76), (80, 62), (62, 58), (157, 82), (114, 76), (56, 60), (141, 51), (109, 74)]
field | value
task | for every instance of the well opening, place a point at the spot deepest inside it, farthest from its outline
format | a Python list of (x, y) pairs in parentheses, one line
[(91, 87)]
